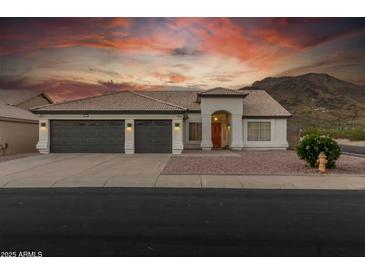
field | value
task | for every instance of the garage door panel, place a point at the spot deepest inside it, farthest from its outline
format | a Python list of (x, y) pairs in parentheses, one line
[(87, 136), (153, 136)]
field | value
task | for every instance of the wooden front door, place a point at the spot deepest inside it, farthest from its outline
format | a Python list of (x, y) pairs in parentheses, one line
[(216, 135)]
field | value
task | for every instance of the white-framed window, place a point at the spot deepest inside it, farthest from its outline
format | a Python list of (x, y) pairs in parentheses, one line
[(195, 131), (258, 131)]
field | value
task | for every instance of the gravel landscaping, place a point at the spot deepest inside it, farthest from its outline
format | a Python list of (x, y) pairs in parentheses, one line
[(257, 162)]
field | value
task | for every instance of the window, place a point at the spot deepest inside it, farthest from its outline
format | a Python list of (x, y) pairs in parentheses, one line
[(195, 131), (258, 131)]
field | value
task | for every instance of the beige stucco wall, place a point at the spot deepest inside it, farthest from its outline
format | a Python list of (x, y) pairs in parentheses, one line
[(278, 135), (234, 106), (43, 144), (192, 118), (21, 137), (35, 101)]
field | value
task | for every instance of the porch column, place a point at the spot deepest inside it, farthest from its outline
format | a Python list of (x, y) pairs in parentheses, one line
[(237, 139), (129, 136), (177, 136), (43, 137), (206, 143)]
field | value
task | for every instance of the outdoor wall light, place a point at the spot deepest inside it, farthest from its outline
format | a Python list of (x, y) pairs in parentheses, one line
[(228, 126), (43, 124), (177, 125), (129, 126), (215, 119)]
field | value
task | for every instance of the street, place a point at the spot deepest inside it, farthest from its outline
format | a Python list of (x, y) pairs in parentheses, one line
[(182, 222), (353, 150)]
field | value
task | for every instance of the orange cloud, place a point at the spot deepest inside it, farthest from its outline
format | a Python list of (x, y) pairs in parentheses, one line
[(171, 77), (222, 36)]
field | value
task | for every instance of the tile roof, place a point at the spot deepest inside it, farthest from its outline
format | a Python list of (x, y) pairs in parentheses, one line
[(17, 96), (256, 103), (186, 99), (260, 103), (222, 92), (10, 112), (116, 101)]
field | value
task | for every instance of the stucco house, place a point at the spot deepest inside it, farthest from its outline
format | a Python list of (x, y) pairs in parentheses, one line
[(19, 126), (164, 122)]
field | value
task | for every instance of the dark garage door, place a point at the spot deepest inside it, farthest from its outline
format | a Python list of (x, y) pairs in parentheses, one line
[(87, 136), (153, 136)]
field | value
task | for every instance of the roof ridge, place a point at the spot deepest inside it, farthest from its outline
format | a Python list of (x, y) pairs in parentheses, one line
[(157, 100), (80, 99), (211, 89)]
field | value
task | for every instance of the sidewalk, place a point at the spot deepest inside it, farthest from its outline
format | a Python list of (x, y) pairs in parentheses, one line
[(344, 182), (328, 182)]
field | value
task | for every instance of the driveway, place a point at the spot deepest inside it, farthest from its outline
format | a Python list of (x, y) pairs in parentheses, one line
[(93, 170), (145, 170)]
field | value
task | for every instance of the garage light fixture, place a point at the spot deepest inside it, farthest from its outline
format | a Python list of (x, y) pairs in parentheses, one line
[(129, 125), (43, 124), (177, 125)]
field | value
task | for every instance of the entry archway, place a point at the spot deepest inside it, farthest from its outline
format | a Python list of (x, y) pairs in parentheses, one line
[(221, 129)]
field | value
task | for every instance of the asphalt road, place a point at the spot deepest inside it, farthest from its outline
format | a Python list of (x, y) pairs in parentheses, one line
[(182, 222), (358, 150)]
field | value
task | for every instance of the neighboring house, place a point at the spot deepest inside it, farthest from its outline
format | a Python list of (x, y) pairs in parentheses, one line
[(24, 99), (19, 126), (164, 122)]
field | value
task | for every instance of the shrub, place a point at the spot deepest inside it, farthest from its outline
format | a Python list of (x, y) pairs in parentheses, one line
[(311, 145)]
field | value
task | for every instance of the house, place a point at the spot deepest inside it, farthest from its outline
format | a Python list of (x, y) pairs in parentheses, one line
[(24, 99), (19, 126), (164, 122)]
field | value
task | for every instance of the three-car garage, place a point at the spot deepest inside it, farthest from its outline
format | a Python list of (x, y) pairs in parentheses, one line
[(108, 136)]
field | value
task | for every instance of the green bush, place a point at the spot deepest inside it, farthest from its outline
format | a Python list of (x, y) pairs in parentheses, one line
[(311, 145)]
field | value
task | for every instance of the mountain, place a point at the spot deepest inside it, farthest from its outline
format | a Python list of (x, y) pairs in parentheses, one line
[(317, 100)]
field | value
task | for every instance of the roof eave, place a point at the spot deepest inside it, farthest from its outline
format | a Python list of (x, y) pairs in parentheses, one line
[(84, 112), (220, 96), (18, 120), (266, 116)]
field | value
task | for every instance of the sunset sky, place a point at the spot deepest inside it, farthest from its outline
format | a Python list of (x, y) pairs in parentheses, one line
[(76, 57)]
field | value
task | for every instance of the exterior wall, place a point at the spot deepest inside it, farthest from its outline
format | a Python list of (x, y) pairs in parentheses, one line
[(234, 106), (21, 137), (34, 102), (192, 117), (43, 144), (278, 135), (180, 135)]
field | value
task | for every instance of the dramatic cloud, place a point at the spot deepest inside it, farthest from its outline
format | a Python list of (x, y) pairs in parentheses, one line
[(73, 57)]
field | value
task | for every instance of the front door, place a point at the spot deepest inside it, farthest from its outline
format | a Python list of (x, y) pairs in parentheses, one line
[(216, 135)]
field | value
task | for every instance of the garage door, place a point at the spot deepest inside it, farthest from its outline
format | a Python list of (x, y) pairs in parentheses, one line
[(153, 136), (87, 136)]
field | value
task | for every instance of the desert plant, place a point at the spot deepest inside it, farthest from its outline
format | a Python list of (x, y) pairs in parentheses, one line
[(311, 145)]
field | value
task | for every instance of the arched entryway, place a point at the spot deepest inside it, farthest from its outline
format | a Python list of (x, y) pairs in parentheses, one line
[(221, 129)]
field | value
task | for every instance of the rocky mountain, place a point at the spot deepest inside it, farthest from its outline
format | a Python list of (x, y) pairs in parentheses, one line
[(318, 100)]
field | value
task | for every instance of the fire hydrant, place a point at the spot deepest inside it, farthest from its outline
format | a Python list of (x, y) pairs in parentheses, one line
[(322, 161)]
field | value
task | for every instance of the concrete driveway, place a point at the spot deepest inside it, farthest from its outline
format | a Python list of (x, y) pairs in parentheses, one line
[(144, 170), (77, 170)]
